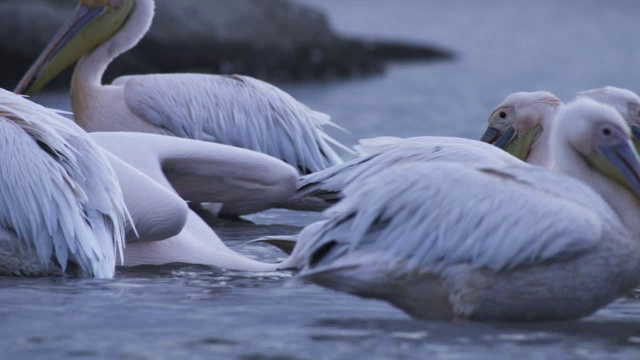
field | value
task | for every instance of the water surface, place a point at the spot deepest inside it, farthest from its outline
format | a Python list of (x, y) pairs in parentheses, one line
[(201, 312)]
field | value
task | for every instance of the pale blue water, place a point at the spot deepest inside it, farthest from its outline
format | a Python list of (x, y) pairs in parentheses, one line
[(200, 312)]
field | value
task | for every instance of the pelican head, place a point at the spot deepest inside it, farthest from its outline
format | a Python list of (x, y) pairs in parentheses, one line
[(92, 23), (517, 121), (625, 101), (599, 134)]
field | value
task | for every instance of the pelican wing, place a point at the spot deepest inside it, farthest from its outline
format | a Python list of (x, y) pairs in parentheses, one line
[(234, 110), (367, 147), (60, 195), (424, 217), (200, 171), (371, 146), (328, 184)]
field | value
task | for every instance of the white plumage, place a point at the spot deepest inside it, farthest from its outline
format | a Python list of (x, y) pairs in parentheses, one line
[(524, 112), (447, 240), (319, 190), (393, 216), (60, 199), (197, 171), (625, 101), (234, 110)]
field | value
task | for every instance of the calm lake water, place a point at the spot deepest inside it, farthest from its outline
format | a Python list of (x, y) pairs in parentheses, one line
[(199, 312)]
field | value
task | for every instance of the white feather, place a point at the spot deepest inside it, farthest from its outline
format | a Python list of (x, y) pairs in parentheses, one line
[(234, 110), (328, 184), (420, 215), (493, 242), (59, 194), (626, 102), (526, 112), (375, 145)]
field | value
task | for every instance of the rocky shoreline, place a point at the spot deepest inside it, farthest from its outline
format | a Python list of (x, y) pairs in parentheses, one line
[(276, 40)]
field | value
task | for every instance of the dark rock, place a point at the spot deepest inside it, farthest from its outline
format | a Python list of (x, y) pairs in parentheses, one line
[(403, 51), (276, 40)]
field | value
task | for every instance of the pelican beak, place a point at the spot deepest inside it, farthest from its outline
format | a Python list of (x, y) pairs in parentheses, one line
[(92, 23), (626, 164), (490, 135), (509, 140), (497, 137)]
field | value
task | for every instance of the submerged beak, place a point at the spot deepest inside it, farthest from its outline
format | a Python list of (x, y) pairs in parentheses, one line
[(497, 137), (52, 61), (624, 158)]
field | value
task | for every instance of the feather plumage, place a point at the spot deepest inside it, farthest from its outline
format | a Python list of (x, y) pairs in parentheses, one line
[(327, 185), (234, 110), (410, 214), (60, 196), (493, 242)]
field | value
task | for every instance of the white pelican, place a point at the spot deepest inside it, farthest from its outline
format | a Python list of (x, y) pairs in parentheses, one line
[(517, 124), (197, 171), (234, 110), (61, 208), (625, 101), (494, 243)]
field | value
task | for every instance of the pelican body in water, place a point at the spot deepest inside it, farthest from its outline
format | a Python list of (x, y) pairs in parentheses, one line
[(517, 125), (234, 110), (156, 178), (493, 243), (61, 207)]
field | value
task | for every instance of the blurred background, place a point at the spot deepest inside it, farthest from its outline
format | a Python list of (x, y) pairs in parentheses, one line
[(379, 67)]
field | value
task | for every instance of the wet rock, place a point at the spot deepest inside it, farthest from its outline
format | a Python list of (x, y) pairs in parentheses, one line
[(276, 40)]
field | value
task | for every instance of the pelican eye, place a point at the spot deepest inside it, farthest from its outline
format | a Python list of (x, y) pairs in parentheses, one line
[(503, 114)]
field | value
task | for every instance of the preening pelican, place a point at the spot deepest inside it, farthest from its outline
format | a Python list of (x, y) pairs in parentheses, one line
[(517, 124), (235, 110), (197, 171), (625, 101), (494, 243), (61, 208)]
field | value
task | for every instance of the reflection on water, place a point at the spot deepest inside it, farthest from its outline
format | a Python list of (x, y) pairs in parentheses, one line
[(178, 310), (196, 311)]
